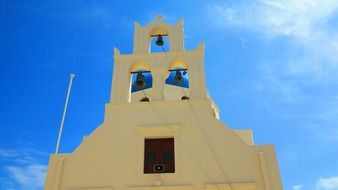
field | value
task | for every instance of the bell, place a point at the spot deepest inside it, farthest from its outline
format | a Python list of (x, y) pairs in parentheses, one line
[(178, 76), (159, 41), (139, 80)]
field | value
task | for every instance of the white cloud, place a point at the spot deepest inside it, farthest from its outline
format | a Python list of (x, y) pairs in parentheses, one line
[(297, 187), (303, 76), (311, 107), (8, 153), (305, 22), (327, 183), (224, 13), (28, 177), (24, 168), (22, 156), (298, 18)]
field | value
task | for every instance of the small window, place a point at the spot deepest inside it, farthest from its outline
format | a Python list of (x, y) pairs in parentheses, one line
[(159, 156)]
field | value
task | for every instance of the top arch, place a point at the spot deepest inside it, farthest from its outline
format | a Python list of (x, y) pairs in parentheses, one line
[(142, 35)]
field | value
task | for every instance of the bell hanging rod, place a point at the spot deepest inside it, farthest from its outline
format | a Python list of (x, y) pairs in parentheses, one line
[(178, 70), (157, 35), (134, 72)]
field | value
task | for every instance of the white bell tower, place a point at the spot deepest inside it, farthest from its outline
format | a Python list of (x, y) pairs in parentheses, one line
[(159, 65), (161, 131)]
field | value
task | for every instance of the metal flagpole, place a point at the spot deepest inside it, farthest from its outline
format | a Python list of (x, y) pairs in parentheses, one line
[(64, 112)]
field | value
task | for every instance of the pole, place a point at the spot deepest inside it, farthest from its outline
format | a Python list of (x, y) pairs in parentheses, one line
[(64, 112)]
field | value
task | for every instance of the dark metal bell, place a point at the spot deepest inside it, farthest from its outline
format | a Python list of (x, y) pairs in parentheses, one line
[(139, 80), (159, 41), (178, 76)]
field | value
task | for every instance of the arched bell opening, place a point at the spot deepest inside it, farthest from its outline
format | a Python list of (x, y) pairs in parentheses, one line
[(177, 84), (159, 43), (141, 83)]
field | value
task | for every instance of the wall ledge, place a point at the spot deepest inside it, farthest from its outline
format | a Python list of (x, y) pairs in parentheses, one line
[(232, 186), (157, 128), (173, 187)]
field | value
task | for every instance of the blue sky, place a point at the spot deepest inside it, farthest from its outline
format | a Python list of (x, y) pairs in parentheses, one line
[(271, 66)]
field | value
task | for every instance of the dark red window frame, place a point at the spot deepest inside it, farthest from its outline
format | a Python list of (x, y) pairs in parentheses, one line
[(159, 155)]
